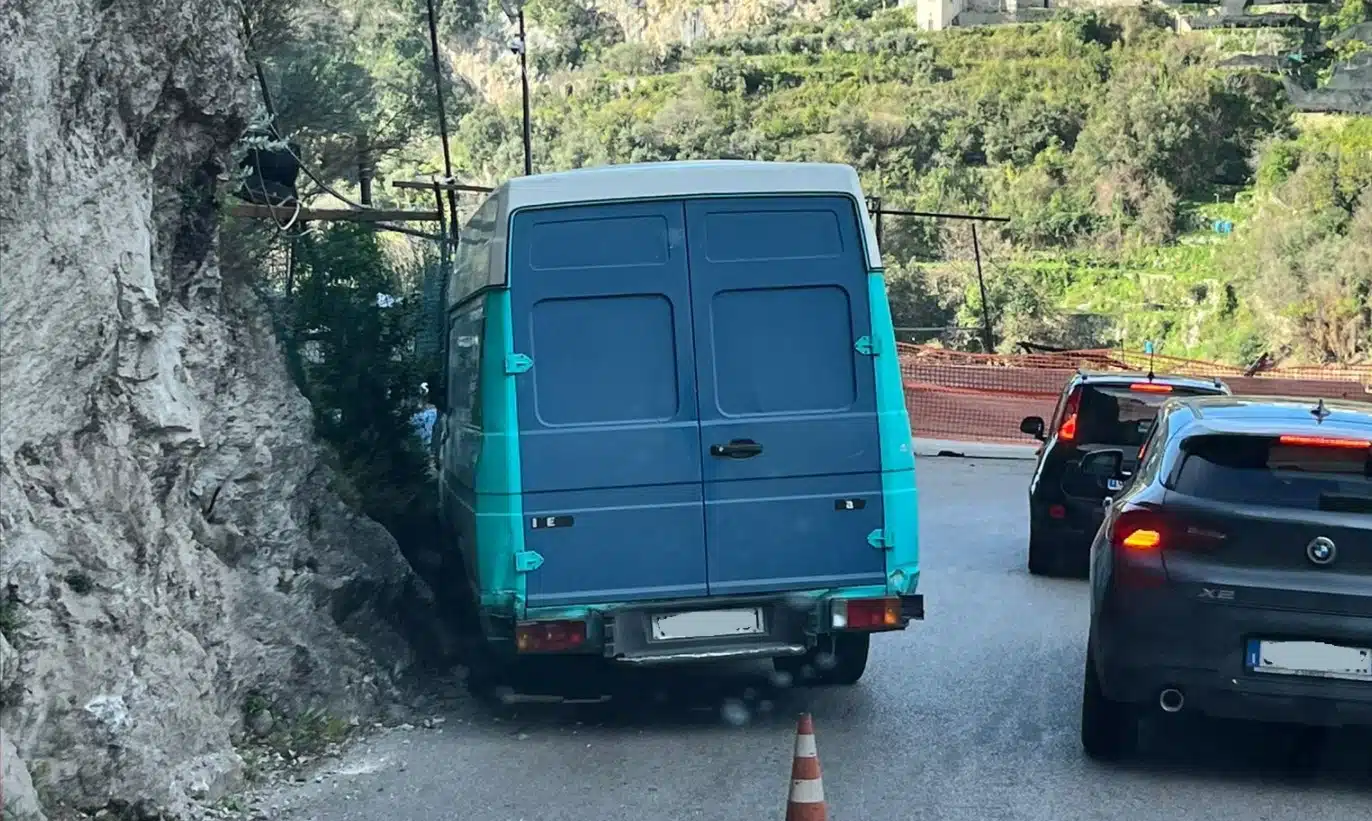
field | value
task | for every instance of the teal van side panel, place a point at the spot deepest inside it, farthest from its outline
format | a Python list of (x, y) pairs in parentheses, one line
[(897, 450), (499, 508)]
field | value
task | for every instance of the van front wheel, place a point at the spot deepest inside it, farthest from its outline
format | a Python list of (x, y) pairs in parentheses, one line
[(839, 660)]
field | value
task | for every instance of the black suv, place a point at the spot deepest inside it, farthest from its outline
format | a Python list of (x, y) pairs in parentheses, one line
[(1232, 575), (1095, 411)]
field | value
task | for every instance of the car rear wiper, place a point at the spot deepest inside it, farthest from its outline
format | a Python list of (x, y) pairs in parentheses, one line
[(1345, 503)]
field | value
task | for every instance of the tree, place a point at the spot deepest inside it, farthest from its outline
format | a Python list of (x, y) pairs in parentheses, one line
[(356, 331)]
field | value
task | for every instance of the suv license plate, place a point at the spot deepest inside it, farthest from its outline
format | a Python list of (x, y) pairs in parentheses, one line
[(1310, 658)]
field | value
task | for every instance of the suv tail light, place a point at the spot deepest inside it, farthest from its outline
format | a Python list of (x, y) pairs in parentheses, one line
[(1150, 387), (1143, 530), (1067, 431), (1138, 530)]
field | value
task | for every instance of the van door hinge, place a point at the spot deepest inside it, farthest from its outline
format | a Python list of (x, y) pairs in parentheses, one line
[(880, 540), (527, 560), (517, 363), (867, 346)]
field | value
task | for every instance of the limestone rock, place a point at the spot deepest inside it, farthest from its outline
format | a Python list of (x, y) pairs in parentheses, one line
[(158, 475), (16, 786)]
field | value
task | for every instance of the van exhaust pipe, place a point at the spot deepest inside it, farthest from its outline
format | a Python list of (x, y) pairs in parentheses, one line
[(1171, 700)]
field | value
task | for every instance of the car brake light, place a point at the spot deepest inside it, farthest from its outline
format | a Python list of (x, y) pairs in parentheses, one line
[(1150, 387), (1068, 430), (549, 636), (1138, 530), (866, 614), (1142, 539), (1326, 442)]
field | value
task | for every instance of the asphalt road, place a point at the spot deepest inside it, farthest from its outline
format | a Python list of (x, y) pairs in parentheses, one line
[(970, 716)]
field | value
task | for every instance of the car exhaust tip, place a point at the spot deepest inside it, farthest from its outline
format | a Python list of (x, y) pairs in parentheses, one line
[(1171, 700)]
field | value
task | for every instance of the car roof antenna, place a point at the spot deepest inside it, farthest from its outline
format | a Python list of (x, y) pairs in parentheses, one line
[(1148, 349)]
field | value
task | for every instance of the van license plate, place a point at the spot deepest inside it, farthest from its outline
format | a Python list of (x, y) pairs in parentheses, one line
[(1310, 658), (707, 624)]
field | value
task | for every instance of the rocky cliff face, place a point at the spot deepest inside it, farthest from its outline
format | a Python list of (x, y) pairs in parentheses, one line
[(169, 543)]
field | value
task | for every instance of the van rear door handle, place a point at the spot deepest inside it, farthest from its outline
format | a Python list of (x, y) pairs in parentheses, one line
[(737, 449)]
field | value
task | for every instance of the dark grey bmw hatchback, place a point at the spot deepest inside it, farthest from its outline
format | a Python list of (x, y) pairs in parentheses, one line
[(1232, 574)]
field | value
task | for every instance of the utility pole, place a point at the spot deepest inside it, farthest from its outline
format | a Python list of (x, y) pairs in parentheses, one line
[(520, 47), (366, 169), (988, 339), (442, 113)]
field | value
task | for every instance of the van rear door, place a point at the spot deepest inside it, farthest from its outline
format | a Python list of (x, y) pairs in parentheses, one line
[(789, 442), (609, 442)]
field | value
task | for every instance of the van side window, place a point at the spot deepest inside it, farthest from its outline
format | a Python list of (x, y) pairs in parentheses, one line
[(472, 262), (464, 363)]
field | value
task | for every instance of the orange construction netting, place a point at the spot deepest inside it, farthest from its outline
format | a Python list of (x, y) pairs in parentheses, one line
[(982, 398)]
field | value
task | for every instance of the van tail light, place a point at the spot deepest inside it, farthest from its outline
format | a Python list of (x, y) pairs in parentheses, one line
[(1067, 431), (1150, 387), (1326, 442), (549, 636), (867, 614)]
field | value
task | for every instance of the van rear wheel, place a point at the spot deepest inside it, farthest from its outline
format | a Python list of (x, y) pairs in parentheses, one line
[(839, 660)]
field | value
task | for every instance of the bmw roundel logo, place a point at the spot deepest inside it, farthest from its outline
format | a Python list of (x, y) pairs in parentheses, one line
[(1322, 551)]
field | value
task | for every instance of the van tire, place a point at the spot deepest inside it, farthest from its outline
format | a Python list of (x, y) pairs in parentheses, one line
[(485, 672), (1109, 729), (849, 653)]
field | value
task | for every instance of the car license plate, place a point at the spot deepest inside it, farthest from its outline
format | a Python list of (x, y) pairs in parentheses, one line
[(707, 624), (1310, 658)]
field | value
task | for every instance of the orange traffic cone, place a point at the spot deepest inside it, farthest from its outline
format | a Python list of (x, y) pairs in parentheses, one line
[(806, 801)]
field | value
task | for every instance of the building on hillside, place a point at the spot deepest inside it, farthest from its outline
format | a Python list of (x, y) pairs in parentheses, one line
[(937, 15)]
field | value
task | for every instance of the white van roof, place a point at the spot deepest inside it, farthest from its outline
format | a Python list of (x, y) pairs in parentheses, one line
[(658, 180)]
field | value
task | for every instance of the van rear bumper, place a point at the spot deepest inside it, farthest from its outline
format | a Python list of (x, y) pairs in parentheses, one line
[(792, 625)]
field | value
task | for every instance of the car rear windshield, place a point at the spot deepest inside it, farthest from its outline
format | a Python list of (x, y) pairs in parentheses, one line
[(1268, 471), (1119, 414)]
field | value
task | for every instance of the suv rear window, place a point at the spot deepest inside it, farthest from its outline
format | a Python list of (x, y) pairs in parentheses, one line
[(1119, 415), (1263, 470)]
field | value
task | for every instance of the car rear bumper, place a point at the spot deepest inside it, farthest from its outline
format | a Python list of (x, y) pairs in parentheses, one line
[(1074, 530), (792, 626), (1152, 642)]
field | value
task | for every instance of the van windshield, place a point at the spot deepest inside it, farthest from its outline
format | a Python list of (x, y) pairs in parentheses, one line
[(1118, 415)]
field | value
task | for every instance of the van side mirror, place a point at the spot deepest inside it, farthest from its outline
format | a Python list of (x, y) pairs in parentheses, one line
[(1103, 464), (1033, 426)]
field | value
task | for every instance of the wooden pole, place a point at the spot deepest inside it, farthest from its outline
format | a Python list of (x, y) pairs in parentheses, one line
[(442, 109), (524, 83), (426, 185), (330, 214), (988, 338)]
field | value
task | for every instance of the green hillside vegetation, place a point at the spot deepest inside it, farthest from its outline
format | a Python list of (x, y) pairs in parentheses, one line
[(1113, 144)]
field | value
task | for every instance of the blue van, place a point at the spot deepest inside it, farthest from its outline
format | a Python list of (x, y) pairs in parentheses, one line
[(673, 427)]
